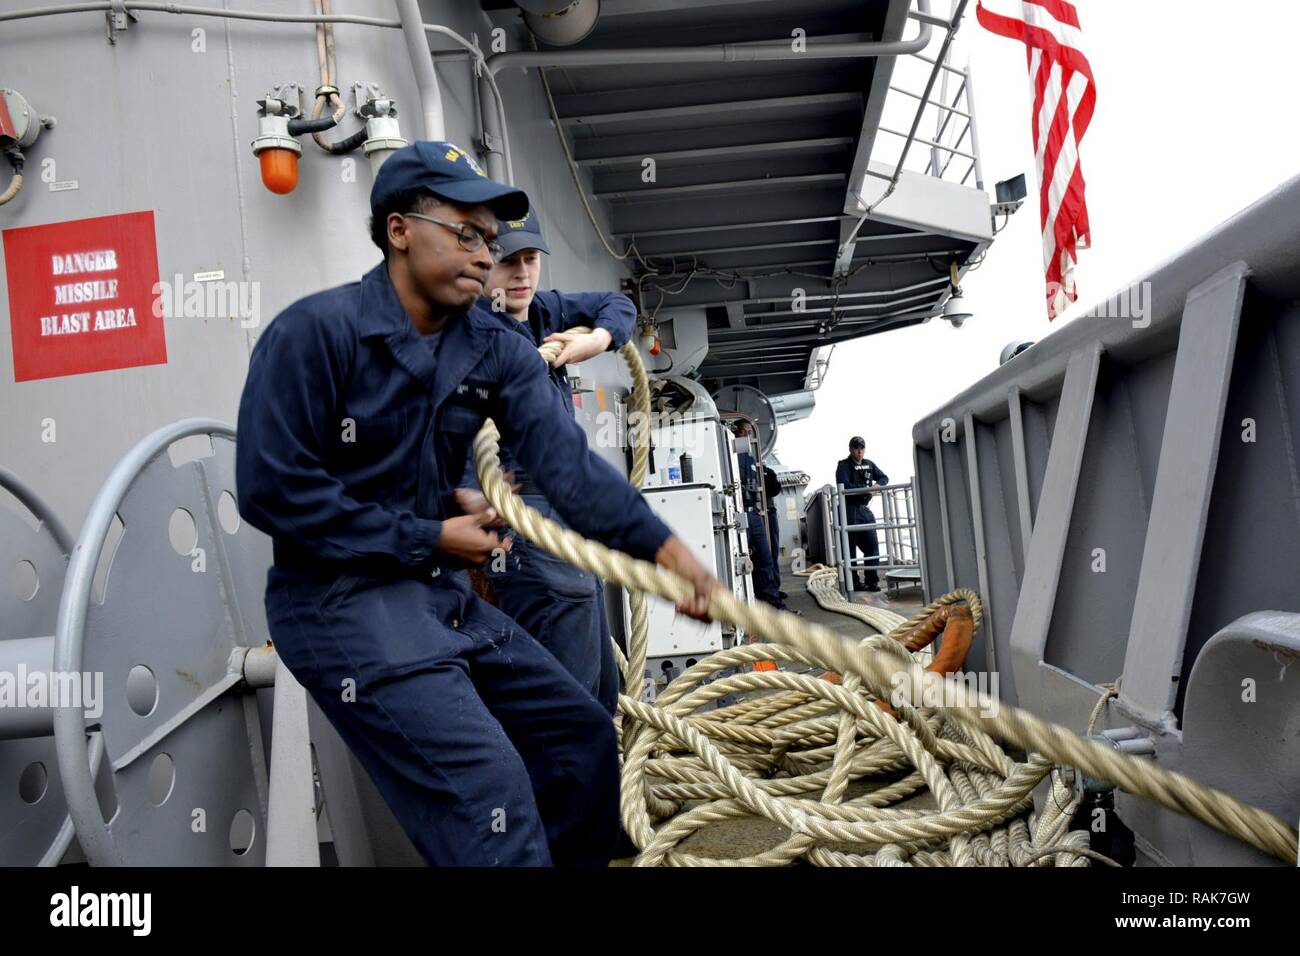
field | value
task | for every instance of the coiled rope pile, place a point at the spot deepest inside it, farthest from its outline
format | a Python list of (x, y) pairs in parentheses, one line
[(790, 753)]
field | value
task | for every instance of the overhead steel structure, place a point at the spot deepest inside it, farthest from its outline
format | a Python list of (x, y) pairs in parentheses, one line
[(739, 147)]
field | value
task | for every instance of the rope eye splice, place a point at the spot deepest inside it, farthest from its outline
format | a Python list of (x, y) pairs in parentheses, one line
[(825, 762)]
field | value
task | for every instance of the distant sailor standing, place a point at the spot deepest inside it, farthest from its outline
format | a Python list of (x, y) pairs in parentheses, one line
[(766, 572), (858, 471)]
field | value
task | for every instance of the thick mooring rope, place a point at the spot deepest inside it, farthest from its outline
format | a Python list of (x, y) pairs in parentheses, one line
[(789, 753)]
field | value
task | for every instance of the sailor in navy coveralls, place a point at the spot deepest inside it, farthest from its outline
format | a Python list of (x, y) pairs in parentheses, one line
[(560, 605), (354, 427), (859, 472)]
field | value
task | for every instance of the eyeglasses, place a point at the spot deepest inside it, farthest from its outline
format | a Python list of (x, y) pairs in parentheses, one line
[(470, 239)]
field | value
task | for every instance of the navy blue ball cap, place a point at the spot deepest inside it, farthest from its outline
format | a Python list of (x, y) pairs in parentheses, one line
[(516, 234), (448, 171), (857, 442)]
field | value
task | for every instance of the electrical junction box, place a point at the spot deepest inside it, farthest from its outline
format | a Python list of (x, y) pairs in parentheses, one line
[(703, 440), (710, 449), (712, 537)]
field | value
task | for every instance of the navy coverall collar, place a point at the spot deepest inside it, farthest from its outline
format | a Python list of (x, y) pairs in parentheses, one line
[(537, 316), (464, 341)]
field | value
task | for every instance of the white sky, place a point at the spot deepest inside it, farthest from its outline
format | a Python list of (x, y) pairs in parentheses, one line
[(1193, 123)]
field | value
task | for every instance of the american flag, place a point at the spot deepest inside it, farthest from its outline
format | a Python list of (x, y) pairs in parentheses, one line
[(1064, 99)]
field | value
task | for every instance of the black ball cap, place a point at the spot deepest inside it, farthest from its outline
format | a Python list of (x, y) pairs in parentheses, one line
[(517, 234), (856, 442), (448, 171)]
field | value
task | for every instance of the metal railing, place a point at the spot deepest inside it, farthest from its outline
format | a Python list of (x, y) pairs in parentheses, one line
[(896, 533), (939, 68), (949, 137)]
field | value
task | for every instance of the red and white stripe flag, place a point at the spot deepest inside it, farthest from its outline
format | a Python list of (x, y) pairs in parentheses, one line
[(1064, 98)]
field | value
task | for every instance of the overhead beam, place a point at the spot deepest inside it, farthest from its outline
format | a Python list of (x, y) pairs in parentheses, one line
[(759, 247), (622, 8), (706, 293), (758, 368), (884, 237), (804, 263), (703, 209), (741, 131), (873, 294), (830, 101), (775, 182), (763, 347), (718, 152), (812, 326), (724, 226), (853, 306)]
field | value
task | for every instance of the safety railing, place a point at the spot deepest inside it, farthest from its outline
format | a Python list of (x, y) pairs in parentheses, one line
[(947, 100), (896, 535)]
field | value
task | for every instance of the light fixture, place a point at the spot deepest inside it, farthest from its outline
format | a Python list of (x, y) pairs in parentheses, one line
[(276, 150), (648, 337), (279, 121), (383, 134), (956, 310)]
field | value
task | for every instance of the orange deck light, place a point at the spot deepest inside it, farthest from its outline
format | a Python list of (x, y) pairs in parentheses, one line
[(279, 169)]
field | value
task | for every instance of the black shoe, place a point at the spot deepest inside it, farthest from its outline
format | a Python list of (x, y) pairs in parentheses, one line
[(783, 595), (874, 588)]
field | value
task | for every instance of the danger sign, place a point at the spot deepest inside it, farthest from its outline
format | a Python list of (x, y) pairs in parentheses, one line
[(81, 296)]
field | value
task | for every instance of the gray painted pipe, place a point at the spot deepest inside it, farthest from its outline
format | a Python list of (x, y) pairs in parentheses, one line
[(490, 126), (132, 6), (30, 500), (291, 805), (720, 53), (34, 654), (20, 659), (435, 126)]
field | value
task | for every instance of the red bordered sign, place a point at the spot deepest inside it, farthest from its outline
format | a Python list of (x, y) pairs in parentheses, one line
[(81, 296)]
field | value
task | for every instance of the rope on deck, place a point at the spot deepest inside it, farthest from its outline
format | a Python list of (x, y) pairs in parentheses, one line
[(789, 753)]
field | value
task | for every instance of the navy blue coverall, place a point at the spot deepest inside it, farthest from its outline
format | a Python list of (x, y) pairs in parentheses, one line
[(353, 435), (861, 474), (772, 488), (563, 607), (767, 576)]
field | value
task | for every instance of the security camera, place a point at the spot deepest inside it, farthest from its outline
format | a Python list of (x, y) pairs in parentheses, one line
[(955, 310)]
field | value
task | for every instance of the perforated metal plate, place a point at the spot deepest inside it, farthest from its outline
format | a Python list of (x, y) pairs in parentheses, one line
[(32, 561), (189, 790)]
